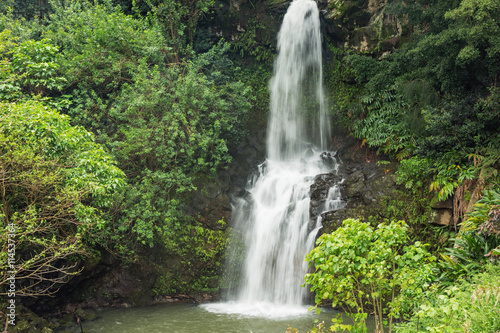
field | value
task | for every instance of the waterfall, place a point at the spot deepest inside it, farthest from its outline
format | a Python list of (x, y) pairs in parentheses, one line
[(298, 116), (274, 225)]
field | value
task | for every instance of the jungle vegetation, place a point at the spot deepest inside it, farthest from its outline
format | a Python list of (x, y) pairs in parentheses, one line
[(111, 111)]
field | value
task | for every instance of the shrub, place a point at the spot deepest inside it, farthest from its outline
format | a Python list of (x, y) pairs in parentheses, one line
[(363, 269), (56, 184), (464, 307)]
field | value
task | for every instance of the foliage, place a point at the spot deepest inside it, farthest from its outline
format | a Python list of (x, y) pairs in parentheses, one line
[(165, 122), (201, 250), (464, 307), (476, 27), (469, 254), (255, 76), (9, 89), (435, 94), (101, 48), (34, 65), (247, 44), (414, 173), (450, 176), (35, 10), (178, 21), (364, 269), (464, 124), (477, 243), (56, 185), (383, 126), (487, 210), (6, 5), (172, 129), (168, 116), (414, 205), (343, 89)]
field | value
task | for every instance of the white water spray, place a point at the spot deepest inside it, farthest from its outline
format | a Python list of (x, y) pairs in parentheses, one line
[(275, 224)]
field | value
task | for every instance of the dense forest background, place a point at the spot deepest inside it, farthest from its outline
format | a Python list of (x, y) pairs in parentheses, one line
[(116, 114)]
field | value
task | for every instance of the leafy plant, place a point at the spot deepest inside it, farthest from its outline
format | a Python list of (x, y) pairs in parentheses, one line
[(414, 173), (172, 130), (467, 256), (449, 178), (35, 63), (28, 68), (364, 269), (463, 307), (56, 185)]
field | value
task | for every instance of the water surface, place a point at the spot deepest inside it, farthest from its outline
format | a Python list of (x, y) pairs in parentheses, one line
[(189, 318)]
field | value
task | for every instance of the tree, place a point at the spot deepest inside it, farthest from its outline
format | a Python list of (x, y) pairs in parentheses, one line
[(55, 184), (173, 129)]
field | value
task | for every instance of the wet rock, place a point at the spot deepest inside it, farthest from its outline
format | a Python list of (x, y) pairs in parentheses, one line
[(67, 321), (368, 197), (367, 186), (86, 314), (201, 298), (442, 217), (246, 159), (318, 192), (322, 183), (329, 159), (332, 220), (354, 185), (27, 321)]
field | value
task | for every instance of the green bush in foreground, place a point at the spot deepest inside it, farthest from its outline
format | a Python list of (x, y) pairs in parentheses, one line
[(366, 270), (466, 307)]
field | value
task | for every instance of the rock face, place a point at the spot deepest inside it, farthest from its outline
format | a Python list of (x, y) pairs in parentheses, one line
[(246, 158), (442, 217), (242, 20), (366, 186), (362, 25), (319, 192)]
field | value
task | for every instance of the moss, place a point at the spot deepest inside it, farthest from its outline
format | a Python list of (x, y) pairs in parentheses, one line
[(165, 285)]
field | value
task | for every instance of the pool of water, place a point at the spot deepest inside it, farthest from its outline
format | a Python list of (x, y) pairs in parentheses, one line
[(208, 318)]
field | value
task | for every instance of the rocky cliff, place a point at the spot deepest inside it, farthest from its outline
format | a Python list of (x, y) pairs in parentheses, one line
[(361, 25)]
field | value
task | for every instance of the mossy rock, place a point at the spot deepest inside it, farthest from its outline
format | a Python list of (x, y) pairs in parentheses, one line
[(86, 314)]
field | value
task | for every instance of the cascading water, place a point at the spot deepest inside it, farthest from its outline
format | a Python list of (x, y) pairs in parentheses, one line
[(298, 116), (276, 225)]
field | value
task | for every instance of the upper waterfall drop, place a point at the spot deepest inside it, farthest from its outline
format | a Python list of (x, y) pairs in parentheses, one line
[(297, 108)]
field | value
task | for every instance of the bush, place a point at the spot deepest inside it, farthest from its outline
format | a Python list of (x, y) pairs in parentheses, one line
[(56, 184), (464, 307), (363, 269)]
